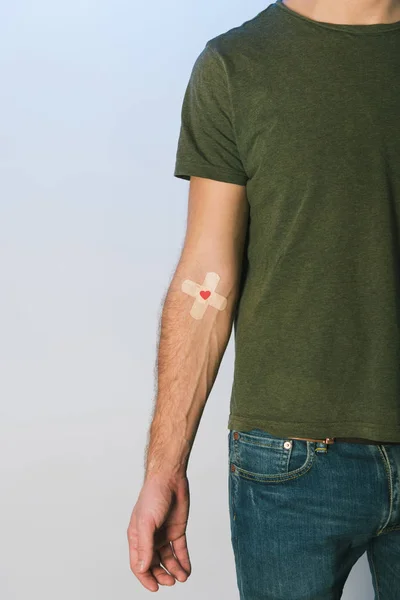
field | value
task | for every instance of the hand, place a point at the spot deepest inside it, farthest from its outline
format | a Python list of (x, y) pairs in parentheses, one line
[(157, 532)]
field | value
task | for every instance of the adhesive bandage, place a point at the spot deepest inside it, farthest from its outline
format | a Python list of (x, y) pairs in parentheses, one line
[(204, 294)]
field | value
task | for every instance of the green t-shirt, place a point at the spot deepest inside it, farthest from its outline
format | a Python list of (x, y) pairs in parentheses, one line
[(306, 115)]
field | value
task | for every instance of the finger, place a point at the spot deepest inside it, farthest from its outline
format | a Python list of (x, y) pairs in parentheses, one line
[(145, 530), (148, 581), (179, 546), (146, 578), (161, 574), (171, 563)]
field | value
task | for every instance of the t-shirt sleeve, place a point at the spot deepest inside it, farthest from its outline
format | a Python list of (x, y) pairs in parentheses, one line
[(207, 145)]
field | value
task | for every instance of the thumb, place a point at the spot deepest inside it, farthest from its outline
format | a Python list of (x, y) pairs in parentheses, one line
[(145, 547)]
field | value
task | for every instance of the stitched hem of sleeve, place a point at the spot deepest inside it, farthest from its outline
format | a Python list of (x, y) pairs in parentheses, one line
[(185, 171)]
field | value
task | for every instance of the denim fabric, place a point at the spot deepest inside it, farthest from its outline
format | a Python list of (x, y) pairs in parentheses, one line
[(302, 513)]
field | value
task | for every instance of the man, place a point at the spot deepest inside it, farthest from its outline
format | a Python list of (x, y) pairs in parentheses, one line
[(290, 138)]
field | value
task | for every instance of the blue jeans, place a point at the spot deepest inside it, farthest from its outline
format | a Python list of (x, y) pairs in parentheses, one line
[(302, 513)]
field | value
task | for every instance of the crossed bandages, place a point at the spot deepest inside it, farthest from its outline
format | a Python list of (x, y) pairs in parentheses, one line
[(204, 295)]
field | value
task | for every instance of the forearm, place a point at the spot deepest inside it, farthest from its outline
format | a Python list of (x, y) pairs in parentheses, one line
[(189, 355)]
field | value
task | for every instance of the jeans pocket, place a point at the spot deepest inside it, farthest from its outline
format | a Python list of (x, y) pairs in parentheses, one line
[(257, 455)]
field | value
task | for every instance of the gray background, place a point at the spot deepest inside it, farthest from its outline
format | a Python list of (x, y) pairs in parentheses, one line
[(91, 226)]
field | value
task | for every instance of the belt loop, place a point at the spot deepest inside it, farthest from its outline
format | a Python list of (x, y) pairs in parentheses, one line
[(323, 446)]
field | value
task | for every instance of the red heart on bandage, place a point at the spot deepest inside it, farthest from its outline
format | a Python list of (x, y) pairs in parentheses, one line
[(205, 295)]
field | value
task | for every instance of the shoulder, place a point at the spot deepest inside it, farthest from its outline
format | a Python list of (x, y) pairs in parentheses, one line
[(251, 36)]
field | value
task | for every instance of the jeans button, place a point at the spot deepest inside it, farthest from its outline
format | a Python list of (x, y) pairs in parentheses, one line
[(287, 445)]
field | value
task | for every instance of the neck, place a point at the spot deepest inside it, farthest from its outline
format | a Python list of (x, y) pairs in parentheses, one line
[(348, 12)]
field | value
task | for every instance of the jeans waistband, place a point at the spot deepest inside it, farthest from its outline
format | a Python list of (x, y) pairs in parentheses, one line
[(332, 440)]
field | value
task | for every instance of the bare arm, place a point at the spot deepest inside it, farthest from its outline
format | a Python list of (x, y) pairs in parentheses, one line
[(189, 354), (190, 350)]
